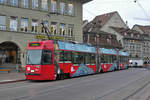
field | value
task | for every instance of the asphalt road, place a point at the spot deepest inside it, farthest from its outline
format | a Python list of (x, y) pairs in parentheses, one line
[(120, 85)]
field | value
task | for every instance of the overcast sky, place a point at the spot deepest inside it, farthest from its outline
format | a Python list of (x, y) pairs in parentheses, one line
[(134, 13)]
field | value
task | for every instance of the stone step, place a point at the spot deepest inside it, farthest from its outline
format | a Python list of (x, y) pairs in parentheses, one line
[(11, 67)]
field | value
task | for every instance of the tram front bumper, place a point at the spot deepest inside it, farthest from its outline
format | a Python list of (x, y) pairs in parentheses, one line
[(32, 74)]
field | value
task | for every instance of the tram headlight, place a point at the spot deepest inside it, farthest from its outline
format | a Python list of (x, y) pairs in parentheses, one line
[(28, 68)]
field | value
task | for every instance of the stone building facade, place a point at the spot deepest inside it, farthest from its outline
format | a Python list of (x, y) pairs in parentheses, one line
[(101, 39), (108, 20), (20, 21), (132, 42), (145, 31), (101, 25), (135, 41)]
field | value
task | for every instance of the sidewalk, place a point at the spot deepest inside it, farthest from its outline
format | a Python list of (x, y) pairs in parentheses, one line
[(11, 77)]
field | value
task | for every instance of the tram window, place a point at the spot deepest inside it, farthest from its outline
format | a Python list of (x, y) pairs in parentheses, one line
[(102, 58), (70, 56), (62, 56), (87, 59), (82, 58), (123, 59), (92, 58), (105, 59), (47, 57), (120, 59), (127, 59), (67, 56), (75, 57), (114, 59), (109, 58)]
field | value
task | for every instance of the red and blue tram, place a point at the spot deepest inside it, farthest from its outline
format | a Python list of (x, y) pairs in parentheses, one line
[(51, 60), (108, 59), (123, 60)]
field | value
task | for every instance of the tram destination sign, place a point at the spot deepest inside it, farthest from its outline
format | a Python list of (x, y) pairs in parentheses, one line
[(34, 44)]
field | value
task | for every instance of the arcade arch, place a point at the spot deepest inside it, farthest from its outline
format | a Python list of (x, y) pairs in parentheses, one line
[(12, 52)]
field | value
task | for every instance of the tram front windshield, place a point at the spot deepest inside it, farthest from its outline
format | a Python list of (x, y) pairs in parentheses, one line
[(39, 57), (33, 57)]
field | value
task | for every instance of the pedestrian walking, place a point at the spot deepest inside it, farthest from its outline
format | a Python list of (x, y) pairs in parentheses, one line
[(4, 58)]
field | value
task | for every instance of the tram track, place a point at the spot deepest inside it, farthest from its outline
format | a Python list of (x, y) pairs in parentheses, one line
[(137, 91), (120, 88), (86, 82), (114, 92), (50, 88)]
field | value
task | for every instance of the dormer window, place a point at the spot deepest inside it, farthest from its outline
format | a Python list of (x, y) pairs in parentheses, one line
[(125, 33), (108, 40)]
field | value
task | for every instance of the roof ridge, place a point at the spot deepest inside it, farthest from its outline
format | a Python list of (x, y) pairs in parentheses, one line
[(104, 18)]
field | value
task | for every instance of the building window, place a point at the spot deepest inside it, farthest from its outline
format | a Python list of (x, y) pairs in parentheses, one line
[(35, 4), (108, 40), (2, 22), (53, 6), (3, 1), (44, 5), (13, 23), (62, 29), (132, 41), (24, 3), (62, 8), (70, 30), (125, 33), (45, 25), (14, 2), (54, 28), (24, 24), (34, 26), (70, 9)]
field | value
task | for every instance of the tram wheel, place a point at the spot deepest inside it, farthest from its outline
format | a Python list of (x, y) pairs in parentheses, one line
[(57, 74), (101, 71)]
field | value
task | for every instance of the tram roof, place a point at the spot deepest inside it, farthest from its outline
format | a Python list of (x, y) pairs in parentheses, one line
[(123, 53), (107, 51), (76, 47)]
